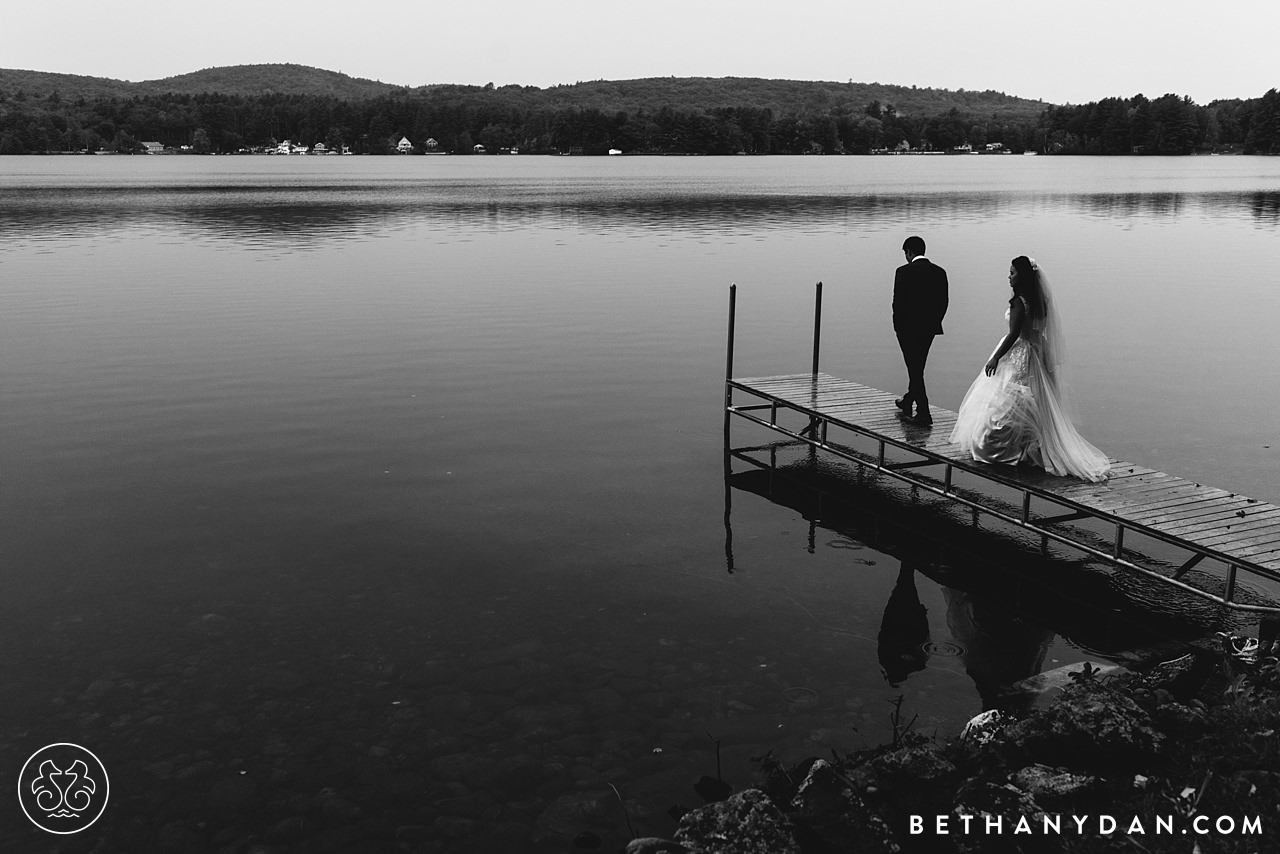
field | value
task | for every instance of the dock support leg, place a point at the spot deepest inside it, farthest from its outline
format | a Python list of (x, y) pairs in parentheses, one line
[(733, 312), (817, 326), (728, 361), (728, 501), (1186, 567), (817, 341)]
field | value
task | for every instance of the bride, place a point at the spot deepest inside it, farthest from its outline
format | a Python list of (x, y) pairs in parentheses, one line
[(1015, 410)]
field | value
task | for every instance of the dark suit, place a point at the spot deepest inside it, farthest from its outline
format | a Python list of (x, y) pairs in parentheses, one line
[(919, 304)]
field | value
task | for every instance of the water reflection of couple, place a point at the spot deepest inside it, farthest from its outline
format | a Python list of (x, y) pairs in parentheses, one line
[(997, 648), (1015, 411)]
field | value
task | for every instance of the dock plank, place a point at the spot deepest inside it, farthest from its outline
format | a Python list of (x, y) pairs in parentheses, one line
[(1229, 519), (1236, 545), (1164, 516), (1172, 500)]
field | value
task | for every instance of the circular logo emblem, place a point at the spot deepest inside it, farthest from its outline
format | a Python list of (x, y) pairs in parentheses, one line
[(63, 788)]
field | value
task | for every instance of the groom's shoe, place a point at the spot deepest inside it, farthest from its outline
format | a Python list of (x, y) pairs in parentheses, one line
[(905, 405), (922, 417)]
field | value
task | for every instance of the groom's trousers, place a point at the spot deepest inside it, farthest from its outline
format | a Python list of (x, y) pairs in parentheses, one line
[(915, 352)]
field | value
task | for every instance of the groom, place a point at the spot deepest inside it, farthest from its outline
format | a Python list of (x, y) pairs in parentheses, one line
[(919, 303)]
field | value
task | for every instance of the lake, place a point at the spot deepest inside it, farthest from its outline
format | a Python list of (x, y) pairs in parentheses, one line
[(374, 501)]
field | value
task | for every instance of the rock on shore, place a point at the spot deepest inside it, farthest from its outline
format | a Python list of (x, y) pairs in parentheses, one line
[(1122, 744)]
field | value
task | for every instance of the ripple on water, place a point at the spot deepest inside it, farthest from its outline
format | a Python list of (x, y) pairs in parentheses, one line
[(943, 648)]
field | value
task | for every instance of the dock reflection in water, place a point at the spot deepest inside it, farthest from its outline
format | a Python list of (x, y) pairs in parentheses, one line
[(1007, 601)]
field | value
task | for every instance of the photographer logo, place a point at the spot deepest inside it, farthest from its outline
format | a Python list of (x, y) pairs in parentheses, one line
[(63, 788)]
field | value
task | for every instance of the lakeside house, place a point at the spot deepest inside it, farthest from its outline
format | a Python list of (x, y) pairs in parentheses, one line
[(153, 147), (404, 146), (288, 147)]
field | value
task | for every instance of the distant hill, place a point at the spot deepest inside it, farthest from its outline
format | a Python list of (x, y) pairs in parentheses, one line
[(647, 94), (42, 84), (781, 96), (229, 80), (271, 79)]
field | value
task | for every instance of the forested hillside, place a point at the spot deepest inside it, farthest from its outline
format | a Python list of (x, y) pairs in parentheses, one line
[(649, 94), (246, 108), (229, 80), (780, 96)]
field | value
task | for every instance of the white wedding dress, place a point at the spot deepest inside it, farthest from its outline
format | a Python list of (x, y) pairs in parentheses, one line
[(1018, 415)]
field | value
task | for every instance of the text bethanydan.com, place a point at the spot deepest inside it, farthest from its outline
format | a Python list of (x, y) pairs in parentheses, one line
[(1084, 825)]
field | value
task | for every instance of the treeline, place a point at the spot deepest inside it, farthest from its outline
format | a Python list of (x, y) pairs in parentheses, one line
[(460, 118), (1167, 125), (458, 121)]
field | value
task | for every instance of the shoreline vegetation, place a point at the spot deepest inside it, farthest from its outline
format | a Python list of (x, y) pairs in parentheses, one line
[(296, 109), (1157, 759)]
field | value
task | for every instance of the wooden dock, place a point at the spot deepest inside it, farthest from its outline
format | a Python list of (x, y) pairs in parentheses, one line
[(833, 415), (1241, 533)]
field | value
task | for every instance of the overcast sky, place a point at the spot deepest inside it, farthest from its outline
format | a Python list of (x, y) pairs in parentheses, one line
[(1075, 52)]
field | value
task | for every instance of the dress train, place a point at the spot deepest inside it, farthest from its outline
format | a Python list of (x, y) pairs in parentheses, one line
[(1017, 416)]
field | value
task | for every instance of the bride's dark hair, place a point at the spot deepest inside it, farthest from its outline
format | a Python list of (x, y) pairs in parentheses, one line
[(1027, 285)]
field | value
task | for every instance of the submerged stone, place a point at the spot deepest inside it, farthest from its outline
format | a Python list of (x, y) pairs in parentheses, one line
[(566, 816), (474, 771), (1059, 678), (586, 840)]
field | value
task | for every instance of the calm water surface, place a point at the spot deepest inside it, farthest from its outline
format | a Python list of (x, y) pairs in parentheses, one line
[(401, 482)]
